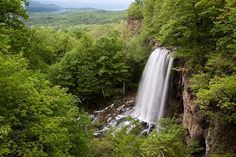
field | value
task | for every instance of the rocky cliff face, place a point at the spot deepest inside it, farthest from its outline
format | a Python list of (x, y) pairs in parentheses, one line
[(192, 119), (134, 26), (211, 135)]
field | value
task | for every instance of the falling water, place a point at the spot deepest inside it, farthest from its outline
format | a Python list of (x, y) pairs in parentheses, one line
[(153, 88)]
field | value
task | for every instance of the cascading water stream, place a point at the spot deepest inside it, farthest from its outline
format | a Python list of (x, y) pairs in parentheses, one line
[(153, 88), (151, 97)]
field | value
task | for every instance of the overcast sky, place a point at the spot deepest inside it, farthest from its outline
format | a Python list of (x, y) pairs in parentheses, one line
[(103, 4)]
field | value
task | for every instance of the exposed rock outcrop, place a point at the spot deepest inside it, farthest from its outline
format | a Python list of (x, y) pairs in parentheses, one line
[(112, 115), (211, 135), (191, 117), (133, 26)]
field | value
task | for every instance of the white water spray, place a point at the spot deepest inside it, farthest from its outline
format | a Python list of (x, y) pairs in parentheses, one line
[(153, 88)]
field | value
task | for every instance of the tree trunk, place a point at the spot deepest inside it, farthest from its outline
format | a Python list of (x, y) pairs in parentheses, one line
[(124, 88)]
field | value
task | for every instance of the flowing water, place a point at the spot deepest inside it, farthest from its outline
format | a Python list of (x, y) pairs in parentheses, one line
[(153, 88), (151, 97)]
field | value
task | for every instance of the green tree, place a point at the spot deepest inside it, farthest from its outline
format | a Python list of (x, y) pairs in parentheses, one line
[(12, 12), (135, 11), (186, 28), (93, 69), (112, 70), (36, 118), (224, 30), (77, 70), (42, 46), (218, 100), (11, 15)]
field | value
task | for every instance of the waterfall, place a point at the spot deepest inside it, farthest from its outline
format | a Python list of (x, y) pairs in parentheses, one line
[(153, 88)]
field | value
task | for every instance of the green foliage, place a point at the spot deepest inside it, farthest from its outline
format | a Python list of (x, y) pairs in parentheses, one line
[(219, 98), (121, 145), (221, 64), (12, 12), (69, 19), (110, 66), (223, 155), (167, 142), (186, 28), (37, 119), (199, 81), (42, 46), (93, 69), (135, 11), (75, 70), (195, 29), (101, 148), (224, 29), (118, 143), (195, 148), (95, 30), (136, 50)]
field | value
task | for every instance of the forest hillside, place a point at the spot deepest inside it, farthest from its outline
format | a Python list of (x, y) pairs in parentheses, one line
[(64, 78)]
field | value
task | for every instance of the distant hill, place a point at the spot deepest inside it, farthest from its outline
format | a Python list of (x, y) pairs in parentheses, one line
[(76, 18), (37, 7), (83, 9)]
